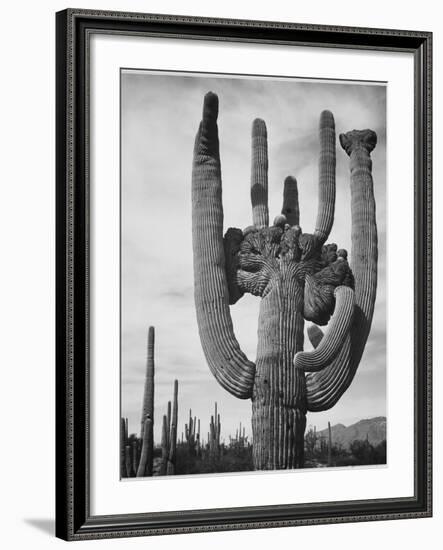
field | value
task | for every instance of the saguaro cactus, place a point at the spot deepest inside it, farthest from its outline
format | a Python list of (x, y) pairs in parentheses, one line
[(329, 445), (148, 411), (123, 442), (190, 433), (170, 470), (298, 278), (214, 434)]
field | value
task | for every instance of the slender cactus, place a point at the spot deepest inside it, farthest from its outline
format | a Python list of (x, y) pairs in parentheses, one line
[(259, 174), (326, 184), (290, 208), (329, 445), (169, 422), (123, 442), (148, 404), (134, 456), (172, 457), (190, 434), (165, 448), (298, 278)]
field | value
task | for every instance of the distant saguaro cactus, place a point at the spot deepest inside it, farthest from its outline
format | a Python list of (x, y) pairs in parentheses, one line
[(170, 470), (148, 411), (329, 445), (123, 443), (296, 275), (190, 433), (214, 434)]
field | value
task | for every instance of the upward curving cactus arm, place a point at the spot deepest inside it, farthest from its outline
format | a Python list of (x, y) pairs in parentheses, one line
[(259, 174), (290, 208), (336, 333), (326, 169), (325, 388), (227, 362)]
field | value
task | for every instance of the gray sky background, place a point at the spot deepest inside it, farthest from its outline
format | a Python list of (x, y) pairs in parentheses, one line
[(160, 115)]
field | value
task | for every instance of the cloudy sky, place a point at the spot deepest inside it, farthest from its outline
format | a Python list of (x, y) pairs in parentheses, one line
[(160, 114)]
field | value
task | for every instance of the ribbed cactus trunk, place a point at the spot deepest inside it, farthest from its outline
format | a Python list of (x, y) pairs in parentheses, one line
[(279, 396), (123, 442), (146, 458), (173, 433), (148, 394), (145, 466), (358, 145)]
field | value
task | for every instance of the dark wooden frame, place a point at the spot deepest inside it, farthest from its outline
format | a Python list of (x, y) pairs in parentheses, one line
[(74, 521)]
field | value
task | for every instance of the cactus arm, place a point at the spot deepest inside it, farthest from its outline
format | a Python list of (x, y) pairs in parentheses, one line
[(320, 288), (290, 207), (325, 388), (259, 174), (326, 187), (338, 329), (228, 363)]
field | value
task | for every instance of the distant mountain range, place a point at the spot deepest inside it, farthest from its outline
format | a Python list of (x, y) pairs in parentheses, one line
[(373, 429)]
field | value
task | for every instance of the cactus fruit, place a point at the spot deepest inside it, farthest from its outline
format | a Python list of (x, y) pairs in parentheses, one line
[(298, 278)]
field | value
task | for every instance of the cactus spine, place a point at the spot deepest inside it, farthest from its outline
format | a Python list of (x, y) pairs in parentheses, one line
[(298, 278)]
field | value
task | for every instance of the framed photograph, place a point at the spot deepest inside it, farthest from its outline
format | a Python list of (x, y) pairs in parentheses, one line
[(243, 274)]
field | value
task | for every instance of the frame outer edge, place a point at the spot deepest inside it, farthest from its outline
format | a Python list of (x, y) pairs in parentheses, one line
[(68, 513)]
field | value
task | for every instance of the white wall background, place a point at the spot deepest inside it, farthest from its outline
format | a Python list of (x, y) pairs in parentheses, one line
[(27, 274)]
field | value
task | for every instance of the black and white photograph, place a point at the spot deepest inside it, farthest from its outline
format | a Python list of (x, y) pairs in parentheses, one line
[(243, 275), (253, 274)]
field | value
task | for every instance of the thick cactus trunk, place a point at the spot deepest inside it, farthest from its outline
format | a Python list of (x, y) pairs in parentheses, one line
[(279, 402)]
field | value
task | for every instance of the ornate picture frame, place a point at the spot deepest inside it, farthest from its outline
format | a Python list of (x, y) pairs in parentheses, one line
[(75, 518)]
